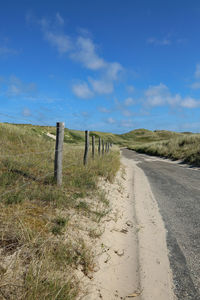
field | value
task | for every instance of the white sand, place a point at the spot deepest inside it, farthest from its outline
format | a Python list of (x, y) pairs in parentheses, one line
[(117, 276), (133, 257), (51, 136), (155, 273)]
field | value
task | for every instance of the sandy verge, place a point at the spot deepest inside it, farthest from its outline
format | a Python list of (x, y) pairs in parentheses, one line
[(132, 260), (116, 275), (155, 273)]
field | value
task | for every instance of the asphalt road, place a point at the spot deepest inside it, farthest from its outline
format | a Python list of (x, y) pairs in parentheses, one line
[(176, 188)]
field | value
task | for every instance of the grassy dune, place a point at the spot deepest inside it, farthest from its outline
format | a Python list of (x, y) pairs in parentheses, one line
[(41, 231), (71, 136), (44, 229), (174, 145), (183, 146)]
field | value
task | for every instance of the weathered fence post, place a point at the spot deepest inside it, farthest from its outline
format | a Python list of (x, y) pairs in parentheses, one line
[(58, 152), (99, 147), (102, 147), (106, 147), (85, 159), (93, 146)]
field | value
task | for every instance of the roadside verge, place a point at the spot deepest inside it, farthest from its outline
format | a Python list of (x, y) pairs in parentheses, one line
[(116, 275), (131, 254), (155, 273)]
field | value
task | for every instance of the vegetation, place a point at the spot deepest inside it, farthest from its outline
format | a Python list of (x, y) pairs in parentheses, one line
[(176, 146), (44, 229)]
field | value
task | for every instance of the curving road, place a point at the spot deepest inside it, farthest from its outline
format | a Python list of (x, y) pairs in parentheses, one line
[(176, 188)]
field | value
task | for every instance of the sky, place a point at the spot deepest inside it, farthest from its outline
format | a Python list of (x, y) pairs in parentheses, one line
[(101, 65)]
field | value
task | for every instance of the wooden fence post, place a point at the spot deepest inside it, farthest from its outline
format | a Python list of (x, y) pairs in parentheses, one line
[(85, 159), (58, 152), (93, 146), (102, 147), (99, 147)]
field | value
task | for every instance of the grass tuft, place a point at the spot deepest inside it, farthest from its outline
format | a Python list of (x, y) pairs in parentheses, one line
[(184, 147), (41, 239)]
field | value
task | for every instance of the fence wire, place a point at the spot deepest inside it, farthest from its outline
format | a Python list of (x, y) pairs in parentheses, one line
[(36, 179), (25, 154), (17, 155), (25, 184)]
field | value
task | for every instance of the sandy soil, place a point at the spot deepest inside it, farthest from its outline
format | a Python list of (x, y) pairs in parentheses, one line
[(117, 272), (51, 136), (133, 258), (155, 273)]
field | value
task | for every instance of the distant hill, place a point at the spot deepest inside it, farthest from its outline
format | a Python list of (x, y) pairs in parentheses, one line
[(133, 137)]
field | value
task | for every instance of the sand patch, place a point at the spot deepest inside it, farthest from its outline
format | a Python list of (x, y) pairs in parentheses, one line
[(155, 273), (116, 275), (131, 254)]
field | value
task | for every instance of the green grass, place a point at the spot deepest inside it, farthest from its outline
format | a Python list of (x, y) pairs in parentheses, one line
[(42, 224), (176, 146), (39, 219)]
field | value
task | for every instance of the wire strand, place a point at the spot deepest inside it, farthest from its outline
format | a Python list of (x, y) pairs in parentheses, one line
[(24, 154), (25, 184)]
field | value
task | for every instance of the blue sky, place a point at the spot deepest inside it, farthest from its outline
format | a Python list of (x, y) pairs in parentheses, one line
[(101, 65)]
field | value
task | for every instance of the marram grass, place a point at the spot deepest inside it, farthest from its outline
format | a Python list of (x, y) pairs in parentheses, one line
[(185, 148), (39, 239)]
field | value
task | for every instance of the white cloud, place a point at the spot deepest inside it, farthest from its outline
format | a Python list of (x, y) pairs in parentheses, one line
[(85, 114), (197, 72), (196, 85), (159, 42), (181, 41), (190, 103), (105, 84), (59, 19), (129, 101), (14, 90), (160, 95), (157, 95), (86, 54), (61, 41), (82, 90), (127, 113), (16, 87), (83, 50), (104, 110), (26, 112), (101, 86), (53, 32), (130, 89), (113, 70), (110, 120), (4, 50)]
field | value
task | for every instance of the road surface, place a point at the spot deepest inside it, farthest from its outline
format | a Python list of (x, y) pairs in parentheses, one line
[(176, 188)]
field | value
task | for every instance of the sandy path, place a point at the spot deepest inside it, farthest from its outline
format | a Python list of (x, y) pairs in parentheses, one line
[(133, 259), (155, 273), (117, 276)]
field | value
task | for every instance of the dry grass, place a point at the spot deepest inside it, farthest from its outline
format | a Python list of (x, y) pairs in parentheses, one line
[(43, 232), (185, 147)]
